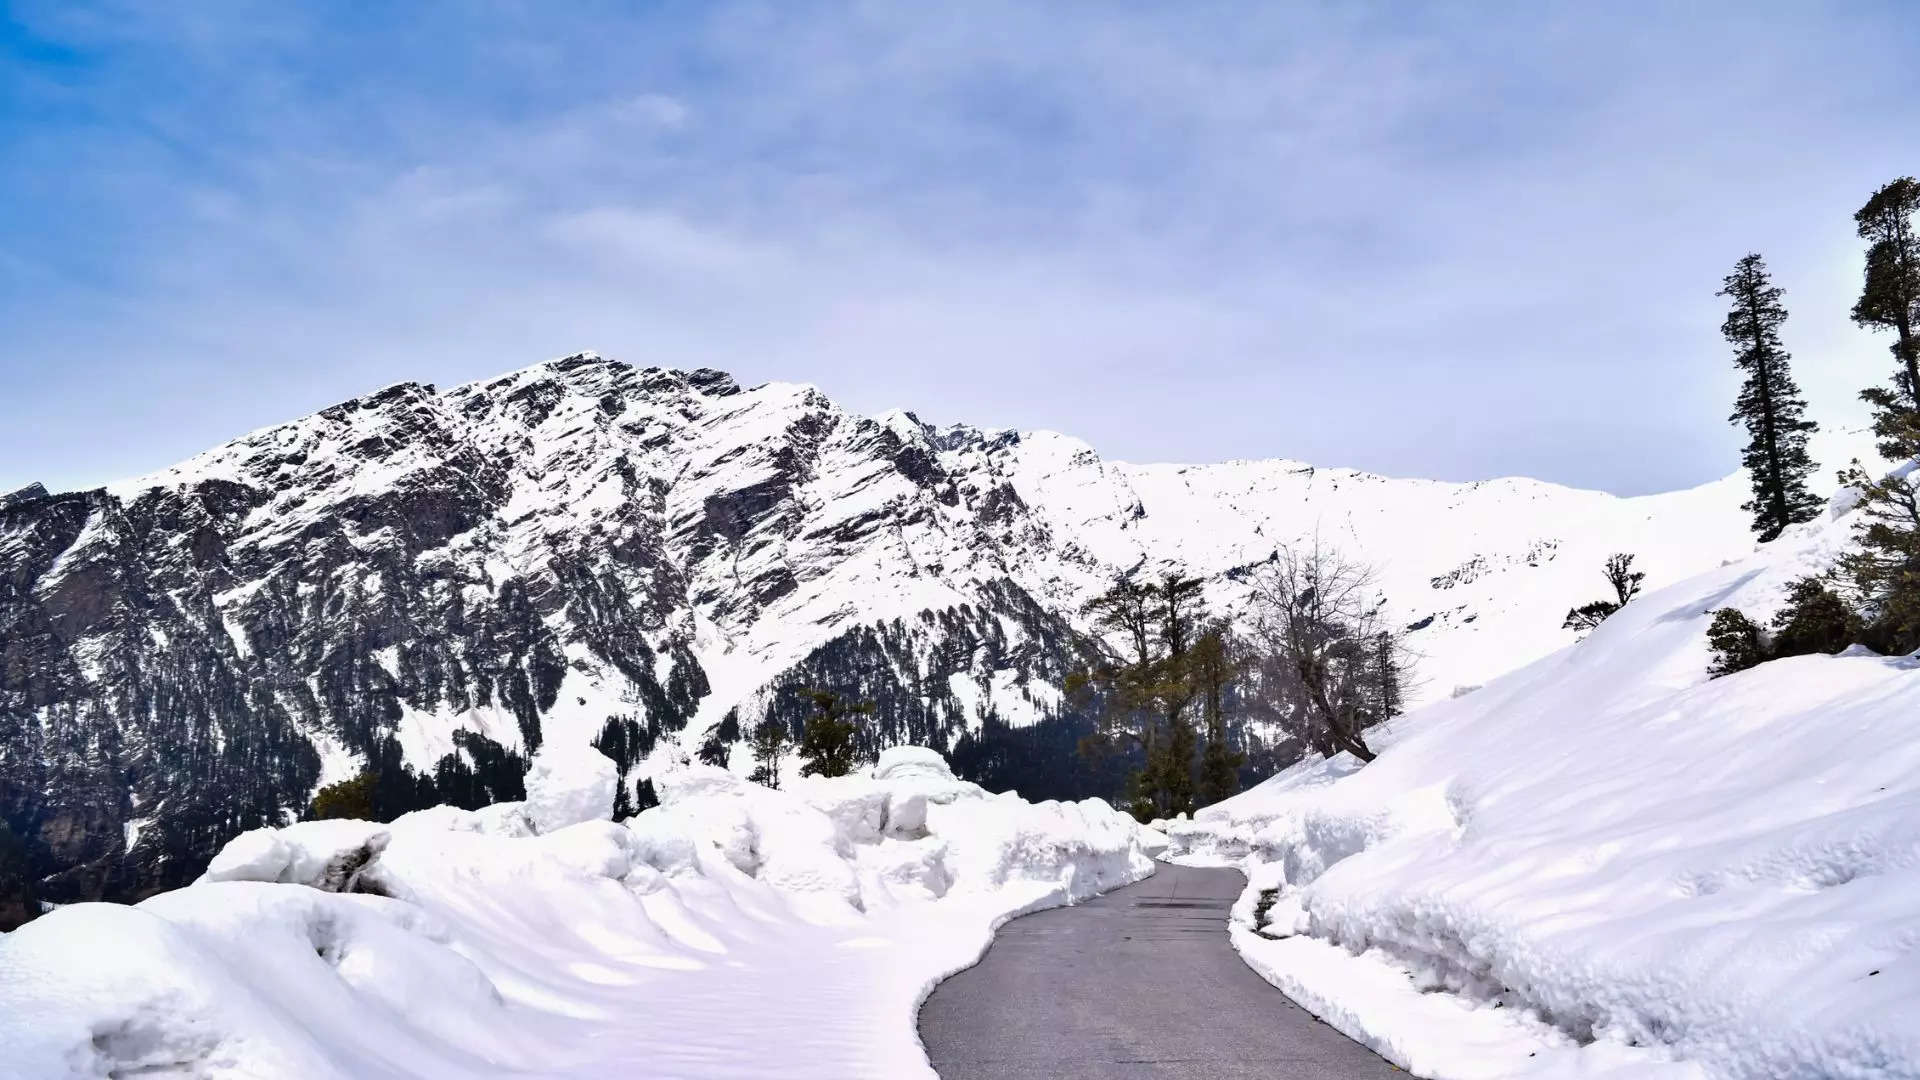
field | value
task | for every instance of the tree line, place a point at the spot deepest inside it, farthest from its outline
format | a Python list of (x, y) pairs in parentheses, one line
[(1312, 648), (1872, 595)]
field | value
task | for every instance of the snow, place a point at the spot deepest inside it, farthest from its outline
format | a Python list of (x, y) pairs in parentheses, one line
[(1606, 865), (734, 931), (325, 855), (568, 783), (1485, 570)]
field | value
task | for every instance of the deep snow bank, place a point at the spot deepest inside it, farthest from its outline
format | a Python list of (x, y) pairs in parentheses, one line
[(1613, 865), (734, 931)]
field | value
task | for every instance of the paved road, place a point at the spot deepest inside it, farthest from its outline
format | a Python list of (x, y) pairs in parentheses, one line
[(1138, 983)]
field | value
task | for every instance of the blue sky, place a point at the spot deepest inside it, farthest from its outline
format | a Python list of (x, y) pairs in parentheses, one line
[(1448, 240)]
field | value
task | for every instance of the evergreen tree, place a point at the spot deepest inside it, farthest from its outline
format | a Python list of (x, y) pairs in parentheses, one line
[(645, 797), (770, 738), (1769, 404), (1215, 669), (349, 798), (19, 899), (827, 744), (1626, 585), (1179, 612), (713, 750), (1125, 686), (1814, 620), (1884, 569), (1890, 299), (1735, 643)]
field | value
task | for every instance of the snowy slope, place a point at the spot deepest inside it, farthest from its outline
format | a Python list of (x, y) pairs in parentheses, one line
[(734, 932), (534, 557), (1612, 865)]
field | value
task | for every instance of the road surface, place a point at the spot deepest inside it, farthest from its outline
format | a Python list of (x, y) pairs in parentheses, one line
[(1138, 983)]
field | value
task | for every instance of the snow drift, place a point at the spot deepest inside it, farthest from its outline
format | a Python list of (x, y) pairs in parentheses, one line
[(1610, 865), (734, 931)]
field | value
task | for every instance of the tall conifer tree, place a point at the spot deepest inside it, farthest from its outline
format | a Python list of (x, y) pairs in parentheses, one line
[(1890, 299), (1769, 405), (1885, 568)]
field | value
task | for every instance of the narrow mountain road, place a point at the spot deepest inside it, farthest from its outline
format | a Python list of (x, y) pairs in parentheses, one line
[(1140, 982)]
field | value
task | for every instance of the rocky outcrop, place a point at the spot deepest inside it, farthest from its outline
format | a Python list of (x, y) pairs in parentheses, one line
[(657, 560)]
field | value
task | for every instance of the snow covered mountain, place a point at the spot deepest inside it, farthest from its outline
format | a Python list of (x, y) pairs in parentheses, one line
[(1605, 864), (587, 545)]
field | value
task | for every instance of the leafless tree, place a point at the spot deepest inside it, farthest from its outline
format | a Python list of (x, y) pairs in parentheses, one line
[(1320, 623)]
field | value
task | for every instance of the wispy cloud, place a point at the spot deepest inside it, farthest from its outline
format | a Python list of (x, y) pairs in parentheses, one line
[(1437, 241)]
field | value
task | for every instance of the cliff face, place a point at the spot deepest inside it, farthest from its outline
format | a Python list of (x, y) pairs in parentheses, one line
[(422, 573)]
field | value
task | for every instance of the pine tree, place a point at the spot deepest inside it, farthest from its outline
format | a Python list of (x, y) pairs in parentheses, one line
[(1890, 299), (1179, 613), (1125, 687), (1735, 643), (349, 798), (1814, 620), (1769, 404), (1215, 668), (713, 750), (1884, 569), (827, 744), (645, 797), (769, 741)]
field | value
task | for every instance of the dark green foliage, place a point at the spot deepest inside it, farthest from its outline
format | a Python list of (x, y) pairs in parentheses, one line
[(1769, 404), (1173, 776), (480, 773), (644, 796), (827, 744), (770, 738), (624, 741), (1146, 692), (1040, 760), (19, 900), (1815, 619), (713, 749), (1215, 669), (1735, 642), (1883, 570), (350, 798), (1890, 298), (1626, 585)]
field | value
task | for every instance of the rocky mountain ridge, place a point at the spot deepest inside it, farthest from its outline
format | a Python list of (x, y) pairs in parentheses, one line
[(422, 575)]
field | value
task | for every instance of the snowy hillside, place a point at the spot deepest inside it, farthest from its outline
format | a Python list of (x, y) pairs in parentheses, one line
[(1611, 865), (732, 932), (587, 547)]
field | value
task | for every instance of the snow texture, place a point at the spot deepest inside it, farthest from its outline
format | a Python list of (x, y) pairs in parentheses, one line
[(568, 783), (733, 931), (1608, 865)]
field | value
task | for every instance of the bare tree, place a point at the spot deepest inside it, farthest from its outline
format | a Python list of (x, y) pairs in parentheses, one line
[(1626, 585), (1319, 619)]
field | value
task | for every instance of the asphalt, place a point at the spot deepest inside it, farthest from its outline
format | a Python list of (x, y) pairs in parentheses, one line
[(1141, 982)]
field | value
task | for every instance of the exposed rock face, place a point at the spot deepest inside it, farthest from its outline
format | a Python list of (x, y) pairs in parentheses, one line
[(187, 655)]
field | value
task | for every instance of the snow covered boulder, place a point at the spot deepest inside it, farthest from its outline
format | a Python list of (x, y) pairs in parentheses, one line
[(663, 840), (568, 784), (910, 762), (591, 848), (504, 819), (918, 769), (325, 855)]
